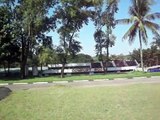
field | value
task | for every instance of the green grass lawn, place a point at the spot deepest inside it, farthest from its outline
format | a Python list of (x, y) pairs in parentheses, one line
[(81, 77), (132, 102)]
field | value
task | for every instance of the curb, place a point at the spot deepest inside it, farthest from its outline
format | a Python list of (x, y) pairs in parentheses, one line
[(19, 83), (155, 76), (60, 82), (140, 77), (76, 81), (120, 78), (100, 80), (4, 84), (80, 80), (35, 83)]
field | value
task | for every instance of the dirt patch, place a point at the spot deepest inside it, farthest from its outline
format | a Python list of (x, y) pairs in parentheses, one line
[(4, 92)]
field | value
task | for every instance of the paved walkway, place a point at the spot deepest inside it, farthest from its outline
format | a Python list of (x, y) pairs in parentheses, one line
[(85, 83)]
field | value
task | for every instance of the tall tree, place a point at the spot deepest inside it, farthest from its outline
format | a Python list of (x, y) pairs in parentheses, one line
[(32, 20), (99, 35), (105, 17), (101, 40), (71, 15), (141, 20), (69, 46), (109, 20)]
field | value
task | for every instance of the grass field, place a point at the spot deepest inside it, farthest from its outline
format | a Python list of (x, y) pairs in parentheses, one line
[(80, 77), (132, 102)]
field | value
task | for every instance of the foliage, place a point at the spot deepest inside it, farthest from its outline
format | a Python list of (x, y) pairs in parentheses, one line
[(24, 25), (80, 58), (141, 21), (104, 40), (9, 47), (135, 55), (151, 56), (156, 41), (120, 57), (31, 24), (47, 56), (72, 15)]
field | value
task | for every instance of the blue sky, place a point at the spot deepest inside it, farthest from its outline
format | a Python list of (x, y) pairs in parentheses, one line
[(121, 47)]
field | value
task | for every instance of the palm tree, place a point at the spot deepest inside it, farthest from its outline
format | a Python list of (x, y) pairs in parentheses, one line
[(141, 21)]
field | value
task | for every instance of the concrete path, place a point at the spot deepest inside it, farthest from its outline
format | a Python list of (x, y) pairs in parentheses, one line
[(85, 83)]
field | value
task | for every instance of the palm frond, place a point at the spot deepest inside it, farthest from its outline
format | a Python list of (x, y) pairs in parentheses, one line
[(134, 19), (140, 7), (152, 16), (155, 25), (131, 33), (111, 2), (123, 21), (152, 26), (132, 11), (127, 21)]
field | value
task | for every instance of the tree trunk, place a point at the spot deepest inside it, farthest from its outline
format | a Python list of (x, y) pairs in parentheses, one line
[(104, 67), (4, 66), (62, 70), (141, 51), (107, 60), (107, 46), (8, 72), (23, 61), (25, 51), (101, 60), (41, 68), (107, 52), (23, 69), (24, 56)]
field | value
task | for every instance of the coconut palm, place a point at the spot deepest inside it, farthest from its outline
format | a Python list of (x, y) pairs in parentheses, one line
[(141, 20)]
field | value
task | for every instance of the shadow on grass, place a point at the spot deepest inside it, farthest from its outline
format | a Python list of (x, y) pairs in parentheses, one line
[(72, 77), (29, 78), (14, 78), (4, 92)]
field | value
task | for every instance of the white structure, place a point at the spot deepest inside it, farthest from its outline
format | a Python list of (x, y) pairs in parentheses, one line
[(115, 66)]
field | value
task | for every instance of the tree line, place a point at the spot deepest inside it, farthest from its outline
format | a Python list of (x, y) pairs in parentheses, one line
[(24, 25)]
